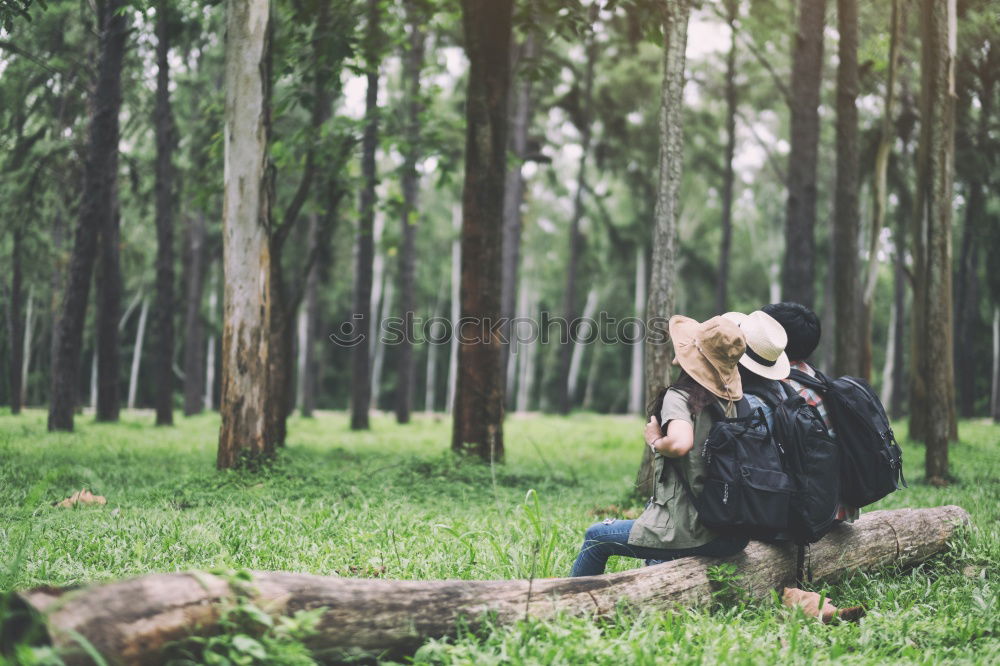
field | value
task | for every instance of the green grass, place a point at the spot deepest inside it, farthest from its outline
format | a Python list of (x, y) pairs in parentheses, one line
[(393, 502)]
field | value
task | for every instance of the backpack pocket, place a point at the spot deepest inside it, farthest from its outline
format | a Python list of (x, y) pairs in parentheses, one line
[(720, 504), (765, 495)]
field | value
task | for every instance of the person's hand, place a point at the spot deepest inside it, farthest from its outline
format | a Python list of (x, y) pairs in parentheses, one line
[(652, 431)]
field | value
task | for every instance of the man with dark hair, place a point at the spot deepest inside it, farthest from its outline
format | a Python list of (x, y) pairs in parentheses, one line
[(802, 326), (803, 329)]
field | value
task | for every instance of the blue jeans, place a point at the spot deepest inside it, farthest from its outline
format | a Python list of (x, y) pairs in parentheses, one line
[(603, 540)]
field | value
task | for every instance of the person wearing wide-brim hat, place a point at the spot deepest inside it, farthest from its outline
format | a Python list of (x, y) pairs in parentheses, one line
[(766, 340), (708, 354), (764, 362)]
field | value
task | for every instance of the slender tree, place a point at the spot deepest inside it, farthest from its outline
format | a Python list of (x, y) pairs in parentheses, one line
[(799, 268), (109, 299), (413, 64), (163, 307), (195, 256), (880, 202), (479, 396), (660, 305), (522, 105), (576, 239), (246, 218), (722, 286), (360, 354), (847, 345), (140, 336), (932, 396), (16, 321), (96, 209), (980, 77), (287, 289)]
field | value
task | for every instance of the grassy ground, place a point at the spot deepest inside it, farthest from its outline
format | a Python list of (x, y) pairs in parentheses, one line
[(394, 503)]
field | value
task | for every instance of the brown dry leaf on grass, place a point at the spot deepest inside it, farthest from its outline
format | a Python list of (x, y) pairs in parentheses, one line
[(83, 496), (809, 602)]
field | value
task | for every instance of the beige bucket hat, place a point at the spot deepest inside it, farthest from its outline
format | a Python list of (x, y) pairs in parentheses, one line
[(766, 341), (709, 353)]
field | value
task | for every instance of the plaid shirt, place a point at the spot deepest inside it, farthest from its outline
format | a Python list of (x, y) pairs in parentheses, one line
[(811, 397), (846, 513)]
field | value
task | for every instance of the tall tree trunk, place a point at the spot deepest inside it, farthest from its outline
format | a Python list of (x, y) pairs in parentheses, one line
[(378, 347), (520, 122), (163, 307), (56, 284), (636, 384), (933, 392), (413, 64), (194, 327), (309, 326), (585, 331), (378, 292), (29, 329), (904, 209), (16, 322), (516, 346), (456, 304), (284, 301), (109, 299), (282, 348), (563, 397), (660, 305), (888, 369), (479, 404), (246, 255), (430, 376), (995, 388), (96, 208), (799, 270), (140, 334), (967, 306), (93, 380), (721, 290), (886, 136), (967, 311), (528, 356), (847, 350), (360, 361), (213, 306)]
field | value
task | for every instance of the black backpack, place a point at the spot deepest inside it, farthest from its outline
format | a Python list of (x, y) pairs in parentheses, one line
[(870, 458), (746, 489), (811, 459)]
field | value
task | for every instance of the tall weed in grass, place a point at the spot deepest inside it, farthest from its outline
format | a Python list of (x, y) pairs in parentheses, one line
[(395, 503)]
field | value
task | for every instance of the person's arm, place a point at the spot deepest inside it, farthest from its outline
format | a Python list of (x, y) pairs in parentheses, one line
[(676, 443)]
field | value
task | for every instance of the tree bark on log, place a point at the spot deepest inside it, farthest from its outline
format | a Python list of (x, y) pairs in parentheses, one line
[(130, 621)]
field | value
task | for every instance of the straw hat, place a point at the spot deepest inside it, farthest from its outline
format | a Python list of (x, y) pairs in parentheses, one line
[(709, 352), (766, 340)]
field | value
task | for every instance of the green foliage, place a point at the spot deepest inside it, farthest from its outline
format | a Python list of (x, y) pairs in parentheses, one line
[(394, 503), (248, 635)]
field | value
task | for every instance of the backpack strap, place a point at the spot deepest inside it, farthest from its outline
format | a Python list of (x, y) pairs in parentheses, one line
[(817, 383)]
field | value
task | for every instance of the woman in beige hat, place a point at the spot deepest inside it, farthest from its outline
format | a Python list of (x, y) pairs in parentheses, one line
[(708, 354)]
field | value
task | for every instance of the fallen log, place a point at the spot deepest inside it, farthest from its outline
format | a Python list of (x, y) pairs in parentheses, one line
[(130, 621)]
